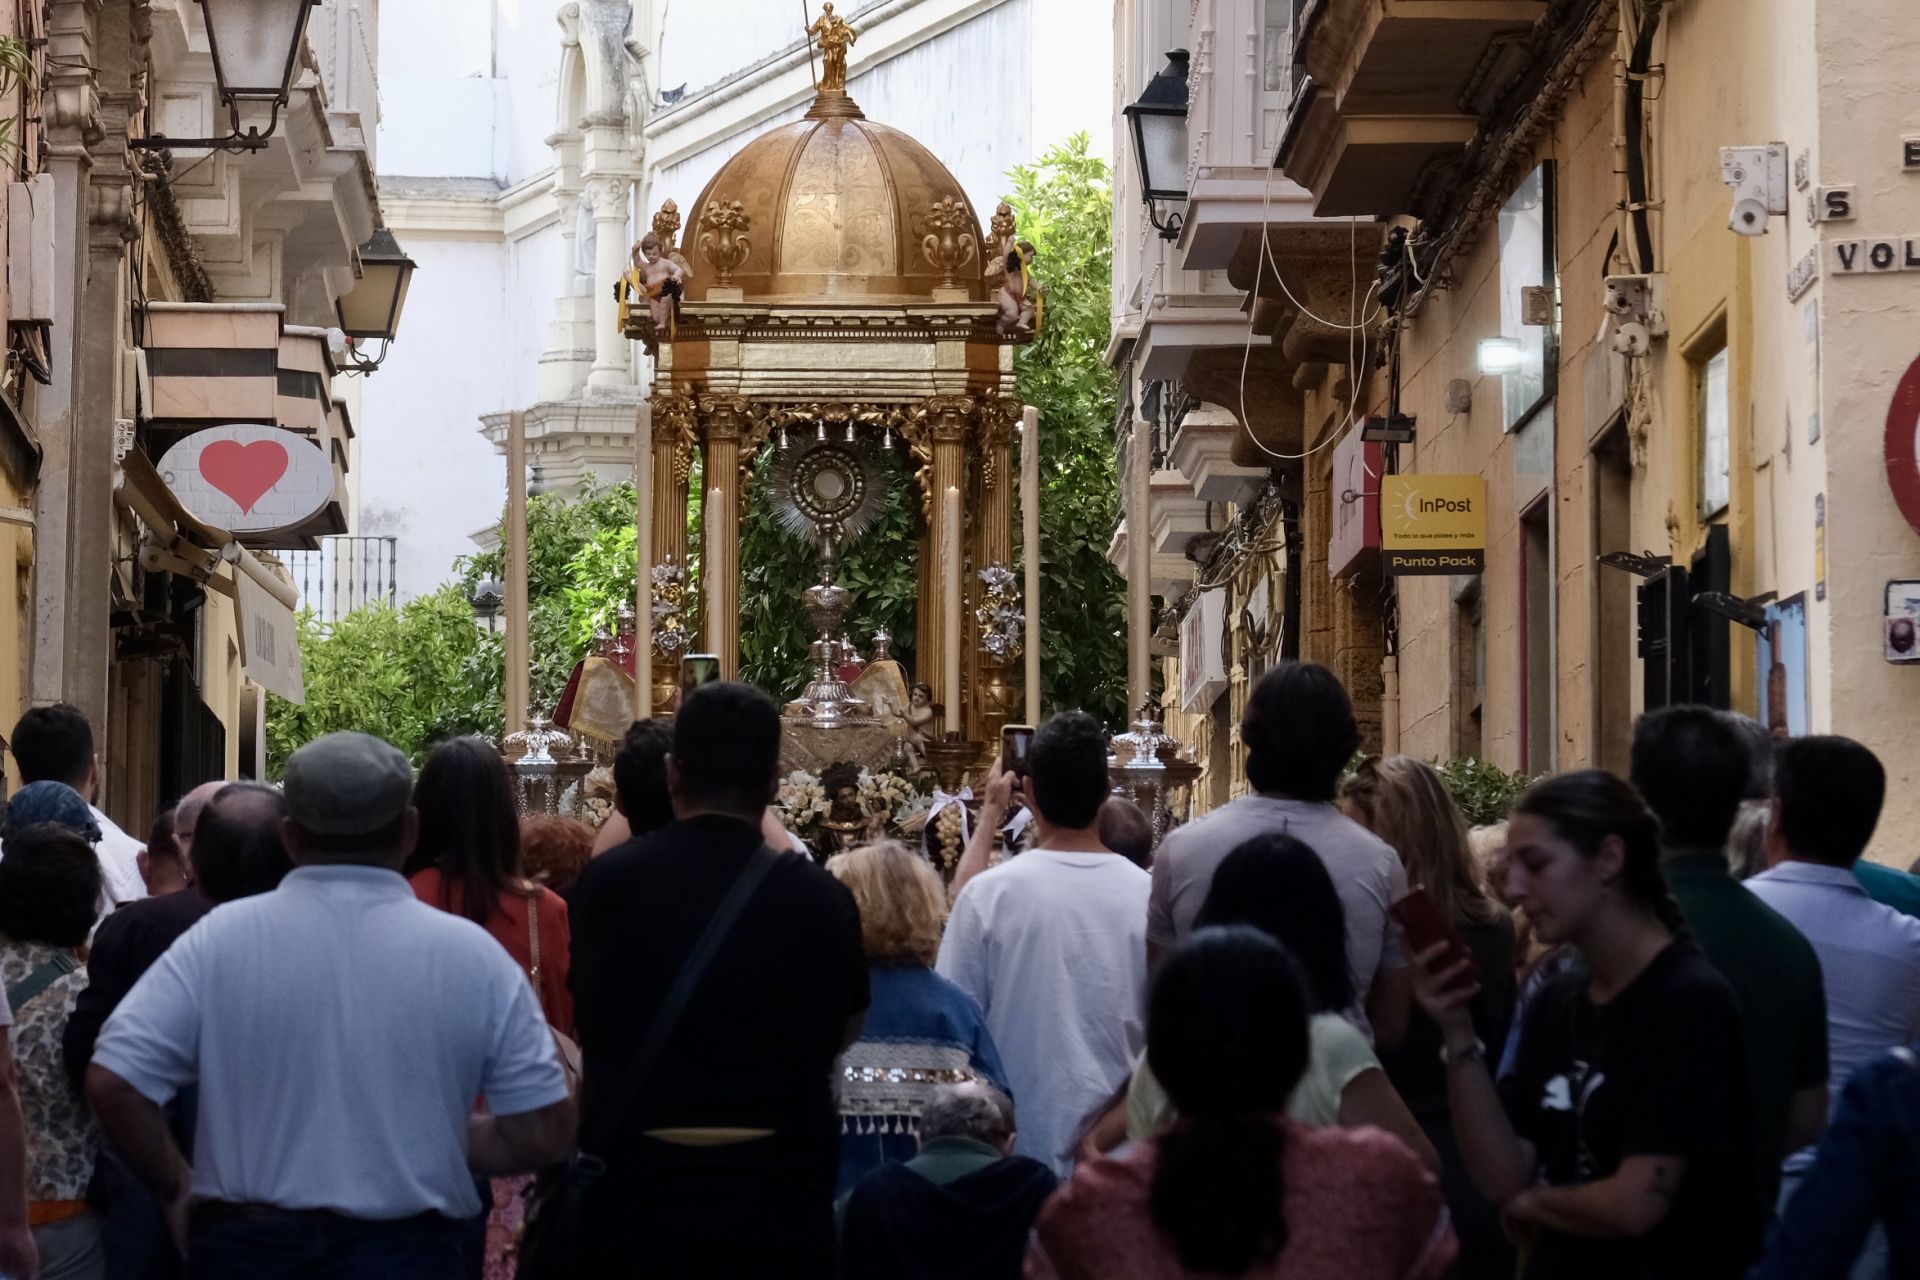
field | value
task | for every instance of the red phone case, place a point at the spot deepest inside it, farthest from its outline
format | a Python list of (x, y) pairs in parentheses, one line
[(1420, 916)]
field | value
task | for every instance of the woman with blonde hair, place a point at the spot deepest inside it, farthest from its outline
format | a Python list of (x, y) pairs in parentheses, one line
[(921, 1031), (1405, 803)]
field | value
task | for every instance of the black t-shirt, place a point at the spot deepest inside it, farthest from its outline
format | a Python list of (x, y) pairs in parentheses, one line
[(756, 1045), (1659, 1070)]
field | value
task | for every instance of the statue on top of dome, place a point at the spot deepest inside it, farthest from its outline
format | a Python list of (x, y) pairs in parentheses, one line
[(833, 34)]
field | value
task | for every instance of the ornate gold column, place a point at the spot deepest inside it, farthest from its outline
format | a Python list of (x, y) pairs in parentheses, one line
[(997, 693), (724, 421), (937, 432), (674, 441)]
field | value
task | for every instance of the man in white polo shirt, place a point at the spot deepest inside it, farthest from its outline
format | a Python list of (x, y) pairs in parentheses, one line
[(340, 1031)]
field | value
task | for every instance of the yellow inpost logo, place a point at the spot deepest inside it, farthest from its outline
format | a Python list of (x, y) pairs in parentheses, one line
[(1433, 524)]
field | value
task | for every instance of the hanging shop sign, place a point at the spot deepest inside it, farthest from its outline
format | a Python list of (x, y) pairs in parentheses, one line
[(269, 640), (249, 479), (1203, 671), (1357, 469), (1902, 445), (1433, 524)]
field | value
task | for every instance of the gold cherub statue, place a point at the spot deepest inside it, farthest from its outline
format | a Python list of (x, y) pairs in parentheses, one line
[(654, 278), (1021, 298), (833, 34)]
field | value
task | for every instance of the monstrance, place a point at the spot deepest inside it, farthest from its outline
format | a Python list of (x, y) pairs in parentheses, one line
[(827, 492)]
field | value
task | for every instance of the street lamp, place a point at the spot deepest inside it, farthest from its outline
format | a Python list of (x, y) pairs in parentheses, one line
[(487, 601), (1159, 121), (256, 50), (371, 308)]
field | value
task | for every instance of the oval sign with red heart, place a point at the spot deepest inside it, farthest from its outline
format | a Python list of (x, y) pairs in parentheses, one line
[(249, 479)]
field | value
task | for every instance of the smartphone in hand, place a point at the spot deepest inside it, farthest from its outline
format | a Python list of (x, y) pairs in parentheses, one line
[(1420, 916), (1016, 749)]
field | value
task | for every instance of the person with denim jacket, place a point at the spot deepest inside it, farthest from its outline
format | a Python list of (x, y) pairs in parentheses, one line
[(1867, 1171)]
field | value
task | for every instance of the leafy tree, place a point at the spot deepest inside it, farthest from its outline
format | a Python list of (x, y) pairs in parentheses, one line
[(1064, 203), (414, 676)]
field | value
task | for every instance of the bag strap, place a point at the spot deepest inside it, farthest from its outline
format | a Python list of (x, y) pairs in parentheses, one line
[(533, 949), (692, 969), (24, 992)]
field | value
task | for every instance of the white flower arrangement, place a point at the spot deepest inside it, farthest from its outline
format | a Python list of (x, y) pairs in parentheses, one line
[(801, 799)]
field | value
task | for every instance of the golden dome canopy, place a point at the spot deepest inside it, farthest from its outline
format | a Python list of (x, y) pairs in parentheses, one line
[(837, 209)]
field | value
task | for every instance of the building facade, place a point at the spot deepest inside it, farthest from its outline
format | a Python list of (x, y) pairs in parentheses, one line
[(1513, 234), (153, 292), (524, 156)]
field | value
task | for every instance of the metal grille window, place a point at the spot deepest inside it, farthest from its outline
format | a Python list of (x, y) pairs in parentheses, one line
[(345, 574)]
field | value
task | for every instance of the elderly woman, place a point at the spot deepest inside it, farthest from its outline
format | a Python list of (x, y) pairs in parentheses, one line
[(49, 884), (921, 1030)]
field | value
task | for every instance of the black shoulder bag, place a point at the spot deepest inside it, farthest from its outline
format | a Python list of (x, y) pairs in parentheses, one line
[(550, 1245)]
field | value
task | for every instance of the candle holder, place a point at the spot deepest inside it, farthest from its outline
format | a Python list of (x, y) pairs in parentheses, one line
[(1147, 769)]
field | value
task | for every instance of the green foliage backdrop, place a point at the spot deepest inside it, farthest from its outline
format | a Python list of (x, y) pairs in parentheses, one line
[(424, 672), (1064, 203)]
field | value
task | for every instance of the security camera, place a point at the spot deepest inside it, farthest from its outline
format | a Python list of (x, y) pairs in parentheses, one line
[(1639, 298), (1630, 339), (1758, 176)]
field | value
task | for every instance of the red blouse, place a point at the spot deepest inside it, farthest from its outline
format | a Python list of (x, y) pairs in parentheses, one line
[(509, 924), (1359, 1206)]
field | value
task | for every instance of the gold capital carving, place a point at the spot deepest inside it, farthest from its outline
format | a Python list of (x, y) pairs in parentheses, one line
[(723, 417), (673, 423)]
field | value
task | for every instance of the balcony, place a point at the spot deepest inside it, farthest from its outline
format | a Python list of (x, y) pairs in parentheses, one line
[(220, 364), (1391, 93)]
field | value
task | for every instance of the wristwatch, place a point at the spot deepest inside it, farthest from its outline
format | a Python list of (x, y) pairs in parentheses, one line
[(1475, 1052)]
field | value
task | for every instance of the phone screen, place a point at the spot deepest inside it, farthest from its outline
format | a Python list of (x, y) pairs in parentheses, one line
[(697, 669), (1016, 749)]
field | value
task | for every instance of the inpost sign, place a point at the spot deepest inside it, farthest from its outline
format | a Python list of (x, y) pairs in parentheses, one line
[(1433, 524)]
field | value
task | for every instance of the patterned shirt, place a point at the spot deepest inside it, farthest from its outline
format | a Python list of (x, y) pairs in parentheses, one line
[(62, 1140)]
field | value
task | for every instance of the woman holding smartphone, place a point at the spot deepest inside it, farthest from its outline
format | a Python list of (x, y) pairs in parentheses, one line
[(1619, 1144), (1404, 802)]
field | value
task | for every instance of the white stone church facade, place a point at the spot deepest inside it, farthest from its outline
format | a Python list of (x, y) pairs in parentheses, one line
[(522, 156)]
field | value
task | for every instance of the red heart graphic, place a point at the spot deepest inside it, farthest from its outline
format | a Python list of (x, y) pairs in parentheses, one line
[(244, 472)]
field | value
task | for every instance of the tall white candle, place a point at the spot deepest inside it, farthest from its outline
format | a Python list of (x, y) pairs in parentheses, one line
[(950, 587), (1030, 550), (711, 571), (643, 561), (1139, 566)]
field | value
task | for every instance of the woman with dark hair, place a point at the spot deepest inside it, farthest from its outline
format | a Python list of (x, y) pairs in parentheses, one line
[(1280, 887), (1619, 1145), (49, 887), (468, 862), (1238, 1188), (1405, 803)]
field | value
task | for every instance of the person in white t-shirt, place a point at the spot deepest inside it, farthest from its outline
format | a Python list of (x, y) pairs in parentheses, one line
[(55, 744), (1052, 945)]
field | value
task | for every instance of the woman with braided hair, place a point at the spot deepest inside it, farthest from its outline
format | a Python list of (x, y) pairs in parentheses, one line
[(1620, 1144)]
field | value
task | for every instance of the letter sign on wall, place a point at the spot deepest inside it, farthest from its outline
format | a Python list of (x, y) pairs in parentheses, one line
[(249, 479)]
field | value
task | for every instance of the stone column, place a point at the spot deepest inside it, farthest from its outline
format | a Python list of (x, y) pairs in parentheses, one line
[(997, 691), (723, 421), (945, 428), (608, 198)]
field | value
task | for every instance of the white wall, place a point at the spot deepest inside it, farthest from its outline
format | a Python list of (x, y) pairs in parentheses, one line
[(427, 476)]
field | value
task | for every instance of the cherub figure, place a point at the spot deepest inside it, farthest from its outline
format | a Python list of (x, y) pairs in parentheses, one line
[(653, 278), (1022, 299)]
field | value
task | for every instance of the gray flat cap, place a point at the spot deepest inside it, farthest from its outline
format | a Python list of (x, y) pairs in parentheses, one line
[(347, 784)]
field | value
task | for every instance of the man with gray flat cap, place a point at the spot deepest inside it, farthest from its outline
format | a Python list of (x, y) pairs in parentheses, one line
[(339, 1030)]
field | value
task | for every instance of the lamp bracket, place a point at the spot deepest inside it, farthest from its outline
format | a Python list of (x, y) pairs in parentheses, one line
[(1644, 565), (239, 142)]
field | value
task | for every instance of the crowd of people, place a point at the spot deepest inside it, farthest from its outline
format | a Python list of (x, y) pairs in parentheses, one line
[(368, 1024)]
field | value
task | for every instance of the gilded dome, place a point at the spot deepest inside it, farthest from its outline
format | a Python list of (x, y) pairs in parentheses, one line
[(838, 209)]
